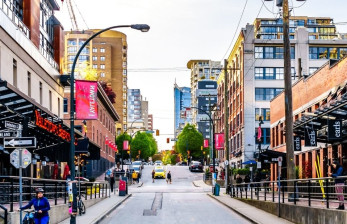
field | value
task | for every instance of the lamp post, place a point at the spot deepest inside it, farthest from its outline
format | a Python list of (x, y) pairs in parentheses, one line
[(143, 28), (131, 126)]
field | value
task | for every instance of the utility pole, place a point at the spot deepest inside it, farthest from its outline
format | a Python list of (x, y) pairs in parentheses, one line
[(288, 94), (226, 116)]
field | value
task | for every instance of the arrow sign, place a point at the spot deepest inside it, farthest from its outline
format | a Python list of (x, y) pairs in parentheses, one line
[(24, 142), (8, 134)]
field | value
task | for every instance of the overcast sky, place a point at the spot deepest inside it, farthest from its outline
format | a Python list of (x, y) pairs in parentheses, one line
[(181, 30)]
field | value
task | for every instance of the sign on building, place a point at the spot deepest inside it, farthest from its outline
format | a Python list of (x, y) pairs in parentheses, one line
[(86, 100), (310, 137), (297, 143), (334, 129)]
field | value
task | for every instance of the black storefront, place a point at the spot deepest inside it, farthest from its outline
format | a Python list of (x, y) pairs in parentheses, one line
[(52, 134)]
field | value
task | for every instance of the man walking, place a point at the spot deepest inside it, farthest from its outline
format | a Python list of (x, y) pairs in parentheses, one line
[(168, 177), (112, 180), (153, 175)]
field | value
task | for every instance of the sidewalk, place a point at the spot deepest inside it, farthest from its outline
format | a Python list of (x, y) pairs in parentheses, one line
[(98, 211), (249, 212)]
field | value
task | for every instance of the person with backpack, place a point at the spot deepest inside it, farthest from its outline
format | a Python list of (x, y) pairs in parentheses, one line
[(41, 205), (339, 183)]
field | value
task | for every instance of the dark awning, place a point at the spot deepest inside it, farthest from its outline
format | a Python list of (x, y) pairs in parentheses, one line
[(267, 156), (335, 107)]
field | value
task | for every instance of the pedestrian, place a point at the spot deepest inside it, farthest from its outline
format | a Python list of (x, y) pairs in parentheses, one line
[(247, 181), (153, 175), (339, 183), (222, 173), (168, 180), (238, 182), (41, 205), (112, 180)]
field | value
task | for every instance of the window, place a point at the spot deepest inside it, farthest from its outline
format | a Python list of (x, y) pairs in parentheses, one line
[(95, 50), (71, 58), (102, 66), (83, 58), (269, 73), (102, 50), (102, 74), (322, 52), (312, 70), (65, 106), (264, 112), (279, 73), (14, 72), (258, 73), (265, 136), (95, 58), (266, 93), (72, 42), (343, 52), (29, 84), (72, 50), (333, 53), (272, 52), (95, 66), (50, 100), (258, 52), (102, 58)]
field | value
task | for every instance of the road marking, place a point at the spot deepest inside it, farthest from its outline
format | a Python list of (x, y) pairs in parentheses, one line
[(156, 205)]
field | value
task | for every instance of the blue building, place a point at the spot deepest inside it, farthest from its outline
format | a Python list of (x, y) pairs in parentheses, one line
[(182, 106)]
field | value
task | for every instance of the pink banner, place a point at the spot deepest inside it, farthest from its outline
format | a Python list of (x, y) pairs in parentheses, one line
[(205, 143), (86, 100), (125, 145), (219, 141)]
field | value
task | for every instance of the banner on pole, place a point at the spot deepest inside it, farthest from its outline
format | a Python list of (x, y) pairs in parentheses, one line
[(335, 129), (219, 141), (126, 145), (297, 143), (86, 100), (205, 143), (310, 137)]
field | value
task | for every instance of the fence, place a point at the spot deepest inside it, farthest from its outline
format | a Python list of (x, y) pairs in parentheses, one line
[(315, 192), (55, 190)]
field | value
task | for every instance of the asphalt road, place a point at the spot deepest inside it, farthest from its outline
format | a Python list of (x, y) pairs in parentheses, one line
[(179, 202)]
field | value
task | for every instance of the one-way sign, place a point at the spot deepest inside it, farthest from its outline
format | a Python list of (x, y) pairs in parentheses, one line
[(13, 125), (24, 142)]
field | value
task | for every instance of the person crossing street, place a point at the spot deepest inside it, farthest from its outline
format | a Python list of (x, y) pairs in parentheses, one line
[(168, 180)]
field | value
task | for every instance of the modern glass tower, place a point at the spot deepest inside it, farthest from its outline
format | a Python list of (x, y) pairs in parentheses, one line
[(182, 107)]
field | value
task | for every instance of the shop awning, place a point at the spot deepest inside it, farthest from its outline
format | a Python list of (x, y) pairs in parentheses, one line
[(335, 107)]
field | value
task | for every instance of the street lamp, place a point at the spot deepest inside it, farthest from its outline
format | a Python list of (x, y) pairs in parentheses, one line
[(143, 28), (131, 126)]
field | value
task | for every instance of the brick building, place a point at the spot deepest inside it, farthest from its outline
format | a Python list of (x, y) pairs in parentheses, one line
[(318, 100)]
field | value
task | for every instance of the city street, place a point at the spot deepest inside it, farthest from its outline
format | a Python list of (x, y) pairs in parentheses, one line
[(179, 202)]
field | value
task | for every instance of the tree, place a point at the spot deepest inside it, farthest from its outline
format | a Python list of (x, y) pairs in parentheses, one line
[(119, 142), (108, 90), (190, 140), (143, 144)]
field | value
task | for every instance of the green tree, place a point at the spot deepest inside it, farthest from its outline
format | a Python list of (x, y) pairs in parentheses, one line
[(119, 143), (190, 139), (141, 145), (154, 145)]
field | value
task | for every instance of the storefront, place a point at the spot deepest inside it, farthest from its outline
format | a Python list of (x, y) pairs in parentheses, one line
[(51, 133)]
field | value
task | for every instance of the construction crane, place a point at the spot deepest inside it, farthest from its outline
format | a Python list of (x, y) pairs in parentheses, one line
[(72, 15)]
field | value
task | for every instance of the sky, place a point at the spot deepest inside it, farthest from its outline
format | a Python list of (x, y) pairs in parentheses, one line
[(181, 30)]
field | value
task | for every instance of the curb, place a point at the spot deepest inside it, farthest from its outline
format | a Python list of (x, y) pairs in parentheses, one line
[(102, 216), (195, 184), (140, 185), (236, 211)]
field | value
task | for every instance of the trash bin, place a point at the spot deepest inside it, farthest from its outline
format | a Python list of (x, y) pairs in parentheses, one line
[(122, 188), (216, 189), (126, 184)]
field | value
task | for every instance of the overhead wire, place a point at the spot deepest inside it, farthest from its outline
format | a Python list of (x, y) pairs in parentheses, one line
[(80, 14), (237, 28)]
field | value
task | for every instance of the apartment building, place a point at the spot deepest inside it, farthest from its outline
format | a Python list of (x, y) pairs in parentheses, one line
[(105, 59), (255, 70), (182, 110)]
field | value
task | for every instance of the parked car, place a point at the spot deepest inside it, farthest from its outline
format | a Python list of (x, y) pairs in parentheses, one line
[(184, 164), (196, 166), (138, 163), (159, 172)]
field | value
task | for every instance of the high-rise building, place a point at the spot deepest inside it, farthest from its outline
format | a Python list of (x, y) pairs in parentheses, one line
[(204, 74), (182, 104), (135, 117), (144, 113), (256, 73), (150, 122), (105, 56)]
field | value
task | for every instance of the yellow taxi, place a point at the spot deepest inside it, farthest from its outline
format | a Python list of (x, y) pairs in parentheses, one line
[(159, 172)]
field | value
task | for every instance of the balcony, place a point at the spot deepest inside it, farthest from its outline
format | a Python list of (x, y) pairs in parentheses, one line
[(6, 6)]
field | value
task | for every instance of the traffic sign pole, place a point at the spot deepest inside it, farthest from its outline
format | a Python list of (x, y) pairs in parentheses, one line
[(20, 183)]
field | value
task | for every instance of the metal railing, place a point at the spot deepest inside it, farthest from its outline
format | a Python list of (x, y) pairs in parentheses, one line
[(54, 190), (313, 192), (4, 217)]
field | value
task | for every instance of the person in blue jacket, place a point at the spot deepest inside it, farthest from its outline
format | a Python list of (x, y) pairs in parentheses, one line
[(41, 205), (339, 183)]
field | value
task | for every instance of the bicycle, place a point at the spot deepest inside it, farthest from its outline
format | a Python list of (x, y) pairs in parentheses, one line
[(29, 217), (80, 206)]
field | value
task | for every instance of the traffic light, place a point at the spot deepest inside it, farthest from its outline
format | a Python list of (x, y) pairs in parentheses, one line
[(157, 132), (128, 151), (202, 148), (168, 140)]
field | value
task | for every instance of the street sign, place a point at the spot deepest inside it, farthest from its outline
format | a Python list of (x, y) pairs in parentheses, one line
[(226, 162), (24, 142), (258, 165), (274, 159), (26, 158), (8, 134), (13, 126), (150, 132), (280, 161), (14, 158)]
